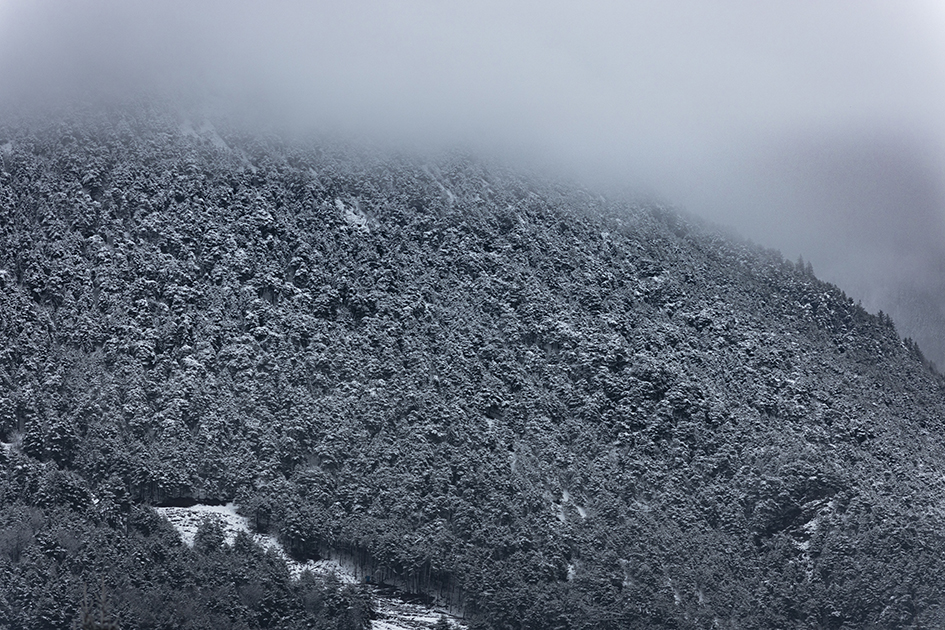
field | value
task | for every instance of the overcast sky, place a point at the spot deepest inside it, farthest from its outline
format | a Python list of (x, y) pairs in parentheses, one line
[(816, 127)]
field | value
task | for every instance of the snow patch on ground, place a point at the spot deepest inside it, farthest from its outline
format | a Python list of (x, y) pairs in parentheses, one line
[(6, 148), (392, 614), (566, 499), (353, 217), (396, 615), (187, 520)]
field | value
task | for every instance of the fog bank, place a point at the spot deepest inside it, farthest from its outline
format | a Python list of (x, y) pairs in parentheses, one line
[(813, 127)]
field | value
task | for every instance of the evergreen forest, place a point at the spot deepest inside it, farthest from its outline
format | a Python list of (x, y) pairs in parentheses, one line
[(535, 406)]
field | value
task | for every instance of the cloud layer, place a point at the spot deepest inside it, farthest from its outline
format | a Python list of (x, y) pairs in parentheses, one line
[(810, 126)]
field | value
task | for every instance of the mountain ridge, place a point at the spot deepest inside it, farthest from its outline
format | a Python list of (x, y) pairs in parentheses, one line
[(575, 411)]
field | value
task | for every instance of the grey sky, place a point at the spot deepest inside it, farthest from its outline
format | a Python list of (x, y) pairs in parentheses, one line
[(812, 126)]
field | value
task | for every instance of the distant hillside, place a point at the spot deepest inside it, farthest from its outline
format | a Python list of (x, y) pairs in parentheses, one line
[(542, 408)]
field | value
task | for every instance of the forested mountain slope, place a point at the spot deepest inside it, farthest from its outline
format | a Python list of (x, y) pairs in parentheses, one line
[(541, 407)]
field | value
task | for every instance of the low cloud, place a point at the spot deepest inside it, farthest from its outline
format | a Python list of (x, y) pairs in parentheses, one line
[(813, 127)]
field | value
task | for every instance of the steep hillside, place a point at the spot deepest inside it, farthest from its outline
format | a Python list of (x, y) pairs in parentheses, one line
[(539, 407)]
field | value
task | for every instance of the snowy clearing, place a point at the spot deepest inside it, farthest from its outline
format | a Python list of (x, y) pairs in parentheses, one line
[(392, 613), (187, 519)]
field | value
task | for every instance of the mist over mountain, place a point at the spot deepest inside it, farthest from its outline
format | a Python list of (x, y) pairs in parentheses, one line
[(529, 404), (774, 118), (423, 289)]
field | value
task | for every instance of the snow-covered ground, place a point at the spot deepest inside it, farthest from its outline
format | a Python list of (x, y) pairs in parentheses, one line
[(396, 615), (392, 613), (187, 520)]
